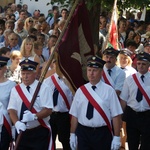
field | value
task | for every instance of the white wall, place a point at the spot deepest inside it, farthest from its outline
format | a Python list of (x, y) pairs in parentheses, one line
[(33, 5)]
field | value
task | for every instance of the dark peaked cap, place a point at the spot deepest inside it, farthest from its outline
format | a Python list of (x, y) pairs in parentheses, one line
[(3, 61), (28, 64), (95, 62), (126, 52), (143, 56), (111, 51), (147, 43)]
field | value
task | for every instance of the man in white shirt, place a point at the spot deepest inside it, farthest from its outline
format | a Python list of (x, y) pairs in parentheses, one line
[(112, 74), (36, 133), (135, 101), (94, 105)]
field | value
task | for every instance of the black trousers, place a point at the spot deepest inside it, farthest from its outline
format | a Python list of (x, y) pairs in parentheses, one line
[(5, 139), (60, 125), (138, 129), (35, 139), (93, 138)]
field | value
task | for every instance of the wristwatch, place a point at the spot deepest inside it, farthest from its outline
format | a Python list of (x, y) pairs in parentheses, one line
[(35, 117)]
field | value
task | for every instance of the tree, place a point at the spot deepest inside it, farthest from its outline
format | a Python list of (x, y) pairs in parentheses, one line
[(97, 6)]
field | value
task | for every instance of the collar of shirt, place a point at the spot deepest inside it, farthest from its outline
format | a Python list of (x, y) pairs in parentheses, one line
[(112, 69), (2, 44), (146, 75), (15, 48), (19, 31), (46, 48), (98, 85), (32, 86)]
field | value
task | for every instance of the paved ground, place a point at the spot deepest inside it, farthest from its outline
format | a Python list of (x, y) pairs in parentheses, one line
[(59, 146)]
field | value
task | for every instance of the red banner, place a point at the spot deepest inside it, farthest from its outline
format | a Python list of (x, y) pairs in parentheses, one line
[(75, 47), (113, 29)]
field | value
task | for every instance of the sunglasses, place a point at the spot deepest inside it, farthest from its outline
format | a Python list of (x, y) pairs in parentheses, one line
[(38, 10), (30, 20), (13, 39)]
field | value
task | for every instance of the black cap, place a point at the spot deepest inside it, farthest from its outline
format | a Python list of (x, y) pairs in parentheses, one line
[(28, 64), (126, 52), (143, 56), (95, 62), (3, 61), (111, 51), (147, 43)]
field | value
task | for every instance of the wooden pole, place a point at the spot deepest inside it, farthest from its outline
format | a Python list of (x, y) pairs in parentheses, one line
[(47, 66)]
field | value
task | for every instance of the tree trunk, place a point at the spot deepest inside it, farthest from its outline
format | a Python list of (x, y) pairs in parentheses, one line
[(94, 21)]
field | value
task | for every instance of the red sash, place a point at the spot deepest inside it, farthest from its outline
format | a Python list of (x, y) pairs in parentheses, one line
[(105, 79), (141, 88), (27, 103), (60, 91), (96, 106), (7, 125)]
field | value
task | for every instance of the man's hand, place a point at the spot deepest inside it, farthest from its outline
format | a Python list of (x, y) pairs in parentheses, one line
[(20, 126), (73, 141), (115, 144), (28, 116)]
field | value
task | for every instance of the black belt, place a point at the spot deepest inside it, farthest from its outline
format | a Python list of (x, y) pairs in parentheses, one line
[(91, 128), (40, 126), (58, 112), (142, 113)]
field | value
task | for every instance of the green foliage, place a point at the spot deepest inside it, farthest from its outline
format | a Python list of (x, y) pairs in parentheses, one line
[(137, 4), (62, 2), (107, 4)]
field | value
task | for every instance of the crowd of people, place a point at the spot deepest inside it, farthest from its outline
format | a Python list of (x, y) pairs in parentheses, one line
[(110, 109)]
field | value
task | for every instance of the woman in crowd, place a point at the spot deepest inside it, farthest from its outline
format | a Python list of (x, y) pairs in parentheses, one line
[(129, 36), (13, 71), (137, 39), (5, 89), (122, 28), (38, 48), (29, 23), (27, 51), (125, 63)]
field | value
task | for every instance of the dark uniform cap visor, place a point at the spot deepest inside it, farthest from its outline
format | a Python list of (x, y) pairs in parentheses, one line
[(95, 62), (111, 51), (143, 56), (126, 52), (147, 44), (3, 61), (28, 65)]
